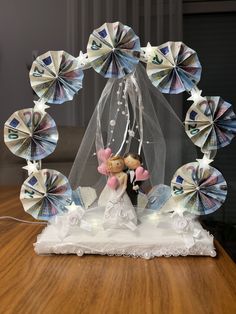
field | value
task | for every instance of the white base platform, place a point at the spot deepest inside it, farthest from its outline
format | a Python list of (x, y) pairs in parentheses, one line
[(156, 235)]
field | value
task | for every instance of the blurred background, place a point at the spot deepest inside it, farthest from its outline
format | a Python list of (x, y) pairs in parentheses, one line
[(30, 27)]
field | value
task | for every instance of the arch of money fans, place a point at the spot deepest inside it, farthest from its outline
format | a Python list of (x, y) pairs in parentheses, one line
[(197, 188)]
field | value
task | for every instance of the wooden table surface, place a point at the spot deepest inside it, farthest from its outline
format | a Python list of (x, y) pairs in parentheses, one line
[(100, 284)]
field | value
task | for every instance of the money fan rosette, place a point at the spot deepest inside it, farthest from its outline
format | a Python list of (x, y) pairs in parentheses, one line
[(200, 190), (56, 77), (113, 50), (211, 124), (31, 134), (45, 193), (173, 67)]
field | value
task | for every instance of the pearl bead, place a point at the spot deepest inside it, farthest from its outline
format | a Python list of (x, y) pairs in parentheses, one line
[(112, 122)]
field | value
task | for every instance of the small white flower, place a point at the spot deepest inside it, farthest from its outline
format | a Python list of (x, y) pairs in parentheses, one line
[(74, 219), (131, 133), (180, 224)]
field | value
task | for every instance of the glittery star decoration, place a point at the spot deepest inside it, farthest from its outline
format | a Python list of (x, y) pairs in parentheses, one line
[(32, 166), (146, 51), (196, 96), (204, 162), (83, 59), (40, 106)]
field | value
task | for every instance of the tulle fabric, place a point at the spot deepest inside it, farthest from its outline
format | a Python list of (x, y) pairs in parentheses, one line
[(133, 116)]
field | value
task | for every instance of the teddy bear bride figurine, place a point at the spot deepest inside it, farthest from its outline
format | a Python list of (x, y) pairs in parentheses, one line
[(119, 211)]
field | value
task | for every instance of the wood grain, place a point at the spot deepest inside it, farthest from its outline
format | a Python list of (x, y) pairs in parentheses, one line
[(99, 284)]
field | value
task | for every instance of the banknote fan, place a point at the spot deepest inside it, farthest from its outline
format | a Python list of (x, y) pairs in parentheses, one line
[(31, 134), (199, 189), (211, 124), (56, 77), (113, 50), (45, 193), (173, 67)]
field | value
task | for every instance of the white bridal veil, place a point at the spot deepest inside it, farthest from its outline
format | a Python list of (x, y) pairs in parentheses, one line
[(132, 116)]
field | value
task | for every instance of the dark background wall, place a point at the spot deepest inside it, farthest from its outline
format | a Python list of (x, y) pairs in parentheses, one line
[(29, 27), (211, 31), (212, 36)]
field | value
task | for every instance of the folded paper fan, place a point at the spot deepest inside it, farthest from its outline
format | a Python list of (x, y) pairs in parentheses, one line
[(173, 67), (113, 50), (56, 77), (45, 194), (211, 124), (30, 134), (200, 190)]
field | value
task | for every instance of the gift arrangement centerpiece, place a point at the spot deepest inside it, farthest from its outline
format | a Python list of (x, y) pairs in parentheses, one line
[(124, 195)]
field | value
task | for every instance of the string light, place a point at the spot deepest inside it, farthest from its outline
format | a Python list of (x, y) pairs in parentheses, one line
[(112, 122)]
